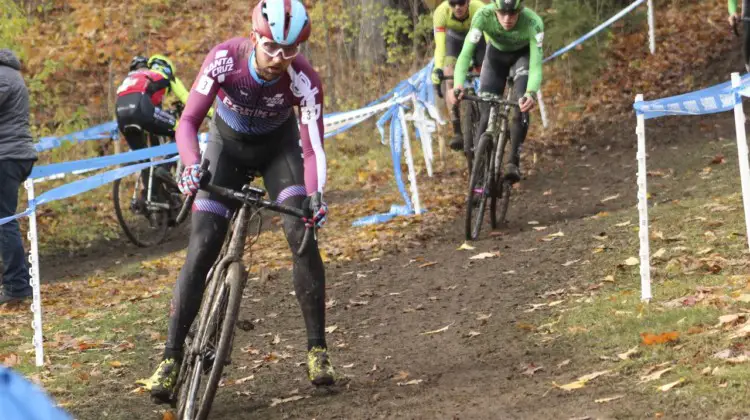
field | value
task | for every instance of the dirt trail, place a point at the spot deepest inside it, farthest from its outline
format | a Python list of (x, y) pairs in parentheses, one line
[(458, 374), (380, 343)]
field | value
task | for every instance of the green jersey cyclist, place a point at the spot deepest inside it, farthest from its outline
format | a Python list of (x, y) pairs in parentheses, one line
[(515, 35)]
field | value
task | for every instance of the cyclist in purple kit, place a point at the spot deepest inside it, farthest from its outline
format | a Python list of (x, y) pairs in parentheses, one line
[(255, 82)]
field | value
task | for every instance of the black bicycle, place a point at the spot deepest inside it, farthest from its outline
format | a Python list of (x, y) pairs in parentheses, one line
[(487, 180), (209, 343), (147, 202), (469, 114)]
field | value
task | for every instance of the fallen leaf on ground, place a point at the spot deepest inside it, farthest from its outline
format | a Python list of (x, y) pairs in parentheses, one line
[(535, 306), (483, 317), (660, 253), (533, 222), (465, 247), (667, 387), (729, 356), (632, 261), (349, 366), (428, 264), (581, 382), (571, 262), (168, 415), (412, 382), (539, 228), (473, 334), (245, 379), (743, 298), (730, 319), (667, 337), (628, 354), (444, 329), (610, 198), (571, 386), (530, 369), (563, 363), (401, 375), (552, 236), (704, 251), (656, 375), (115, 364), (331, 329), (483, 255), (741, 332), (594, 375), (277, 401), (623, 224), (358, 302), (608, 399)]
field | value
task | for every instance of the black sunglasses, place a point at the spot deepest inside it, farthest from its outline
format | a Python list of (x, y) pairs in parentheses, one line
[(457, 3)]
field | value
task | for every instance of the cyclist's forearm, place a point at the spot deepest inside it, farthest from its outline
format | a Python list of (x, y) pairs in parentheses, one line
[(439, 48), (535, 64), (186, 134), (464, 59), (732, 5)]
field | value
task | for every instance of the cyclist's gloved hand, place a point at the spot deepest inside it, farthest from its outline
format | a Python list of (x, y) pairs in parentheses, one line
[(527, 102), (437, 75), (318, 209), (190, 180), (458, 92), (733, 19)]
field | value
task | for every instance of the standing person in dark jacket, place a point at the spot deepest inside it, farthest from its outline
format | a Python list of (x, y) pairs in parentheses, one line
[(17, 156)]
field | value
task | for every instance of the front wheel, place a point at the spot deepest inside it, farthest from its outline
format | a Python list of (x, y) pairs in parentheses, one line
[(499, 211), (480, 185), (216, 346), (469, 116)]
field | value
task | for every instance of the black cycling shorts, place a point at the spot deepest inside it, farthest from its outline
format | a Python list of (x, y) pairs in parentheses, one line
[(232, 156), (136, 109), (454, 42)]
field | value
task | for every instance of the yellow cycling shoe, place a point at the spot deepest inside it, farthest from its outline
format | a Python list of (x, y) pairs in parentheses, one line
[(319, 368), (161, 384)]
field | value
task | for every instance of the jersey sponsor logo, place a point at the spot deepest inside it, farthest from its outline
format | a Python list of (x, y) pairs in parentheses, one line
[(539, 39), (248, 112), (219, 66), (221, 53), (204, 85), (301, 86), (275, 100), (475, 35)]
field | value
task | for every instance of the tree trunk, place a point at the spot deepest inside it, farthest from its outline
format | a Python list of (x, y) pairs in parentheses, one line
[(371, 48), (329, 63), (415, 42)]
